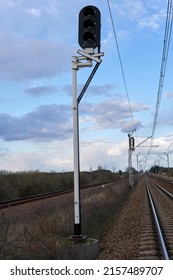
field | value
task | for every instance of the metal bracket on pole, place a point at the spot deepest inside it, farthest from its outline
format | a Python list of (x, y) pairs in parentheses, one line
[(94, 56), (76, 65)]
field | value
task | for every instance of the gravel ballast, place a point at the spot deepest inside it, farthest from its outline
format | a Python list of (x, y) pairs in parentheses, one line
[(121, 240)]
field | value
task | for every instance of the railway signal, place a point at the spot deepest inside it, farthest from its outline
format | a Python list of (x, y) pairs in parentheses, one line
[(130, 151), (131, 143), (89, 27), (89, 39)]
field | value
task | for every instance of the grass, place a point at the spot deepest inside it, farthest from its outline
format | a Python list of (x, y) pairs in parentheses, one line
[(33, 231)]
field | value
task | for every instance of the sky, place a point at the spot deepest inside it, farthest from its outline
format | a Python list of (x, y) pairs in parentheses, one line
[(37, 41)]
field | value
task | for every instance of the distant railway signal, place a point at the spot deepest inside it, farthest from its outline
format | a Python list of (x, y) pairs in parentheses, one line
[(132, 143), (89, 27)]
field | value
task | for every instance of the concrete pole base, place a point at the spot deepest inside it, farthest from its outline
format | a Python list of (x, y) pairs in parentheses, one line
[(78, 250)]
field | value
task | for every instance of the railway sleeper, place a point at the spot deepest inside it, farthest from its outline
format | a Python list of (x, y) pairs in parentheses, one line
[(150, 254), (148, 244), (170, 254)]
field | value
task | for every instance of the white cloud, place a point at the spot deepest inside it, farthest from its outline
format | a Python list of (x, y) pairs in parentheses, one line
[(132, 9), (45, 122), (103, 152), (55, 155), (154, 21), (111, 113), (36, 91), (128, 126), (145, 15), (58, 155), (168, 95), (34, 12), (104, 90), (32, 58), (53, 8), (118, 150), (10, 2)]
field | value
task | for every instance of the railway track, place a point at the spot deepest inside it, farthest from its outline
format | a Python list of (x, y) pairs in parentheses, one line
[(168, 184), (23, 200), (156, 239)]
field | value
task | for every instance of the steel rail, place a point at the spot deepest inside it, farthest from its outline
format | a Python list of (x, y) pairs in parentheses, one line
[(167, 180), (162, 189), (157, 224)]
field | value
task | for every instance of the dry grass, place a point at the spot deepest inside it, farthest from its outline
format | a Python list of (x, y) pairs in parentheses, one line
[(32, 231)]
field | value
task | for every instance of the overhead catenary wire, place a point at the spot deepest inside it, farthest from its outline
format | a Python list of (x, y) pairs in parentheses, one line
[(168, 28), (169, 147), (121, 65), (165, 52)]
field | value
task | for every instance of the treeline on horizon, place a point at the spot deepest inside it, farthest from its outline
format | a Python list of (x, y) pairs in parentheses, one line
[(27, 183)]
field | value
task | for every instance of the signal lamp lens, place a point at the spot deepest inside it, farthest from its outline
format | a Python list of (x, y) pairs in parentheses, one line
[(88, 24), (88, 12), (88, 38)]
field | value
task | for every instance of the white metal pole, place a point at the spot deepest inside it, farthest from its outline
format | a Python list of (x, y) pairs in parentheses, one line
[(77, 218), (168, 162), (129, 166), (137, 158), (77, 64), (130, 169), (130, 151)]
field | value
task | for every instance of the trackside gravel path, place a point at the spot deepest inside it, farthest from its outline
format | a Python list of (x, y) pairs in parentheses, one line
[(121, 240)]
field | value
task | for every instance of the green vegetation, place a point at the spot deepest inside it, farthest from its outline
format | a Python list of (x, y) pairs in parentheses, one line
[(32, 231), (27, 183), (161, 170)]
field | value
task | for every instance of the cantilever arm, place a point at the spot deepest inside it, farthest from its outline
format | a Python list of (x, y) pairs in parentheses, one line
[(88, 81)]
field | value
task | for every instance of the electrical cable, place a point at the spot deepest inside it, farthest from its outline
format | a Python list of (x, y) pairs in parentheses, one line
[(169, 147), (166, 44), (121, 65)]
